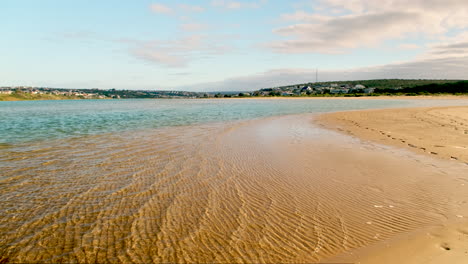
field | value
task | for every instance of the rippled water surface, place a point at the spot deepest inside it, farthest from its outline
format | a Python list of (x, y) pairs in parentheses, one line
[(39, 120), (158, 181)]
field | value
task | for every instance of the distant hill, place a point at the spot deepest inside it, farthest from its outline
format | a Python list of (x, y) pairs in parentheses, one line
[(385, 83), (28, 96), (368, 88), (338, 88), (459, 87)]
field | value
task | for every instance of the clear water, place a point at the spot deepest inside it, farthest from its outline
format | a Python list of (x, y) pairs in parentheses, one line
[(27, 121), (276, 190)]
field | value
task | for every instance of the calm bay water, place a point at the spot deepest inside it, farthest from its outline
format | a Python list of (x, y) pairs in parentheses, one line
[(41, 120)]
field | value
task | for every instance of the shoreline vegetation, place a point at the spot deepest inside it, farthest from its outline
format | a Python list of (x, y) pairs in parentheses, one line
[(20, 96), (365, 88)]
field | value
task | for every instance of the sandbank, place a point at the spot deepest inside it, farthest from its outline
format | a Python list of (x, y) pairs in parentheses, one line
[(438, 132)]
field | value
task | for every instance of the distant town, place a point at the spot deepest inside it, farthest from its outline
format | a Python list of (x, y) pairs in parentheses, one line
[(332, 88), (58, 93), (343, 88)]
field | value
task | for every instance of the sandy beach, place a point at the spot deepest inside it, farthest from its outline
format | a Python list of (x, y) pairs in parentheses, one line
[(279, 189), (234, 132), (438, 132)]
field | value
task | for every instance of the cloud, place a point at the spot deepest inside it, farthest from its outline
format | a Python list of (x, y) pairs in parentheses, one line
[(180, 74), (304, 17), (257, 81), (436, 68), (190, 27), (364, 6), (167, 10), (178, 52), (449, 50), (338, 26), (161, 9), (409, 46), (160, 57), (190, 8), (227, 4), (173, 53), (335, 35), (450, 47)]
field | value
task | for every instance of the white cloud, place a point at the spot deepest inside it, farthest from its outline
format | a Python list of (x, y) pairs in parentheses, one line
[(449, 47), (364, 23), (167, 10), (161, 57), (304, 17), (450, 50), (190, 27), (335, 35), (435, 68), (364, 6), (161, 9), (409, 46), (178, 52), (190, 8), (229, 4)]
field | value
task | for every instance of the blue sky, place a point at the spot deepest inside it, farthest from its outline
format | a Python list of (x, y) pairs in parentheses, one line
[(228, 44)]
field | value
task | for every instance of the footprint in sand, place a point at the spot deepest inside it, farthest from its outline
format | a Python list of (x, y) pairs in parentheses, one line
[(445, 246)]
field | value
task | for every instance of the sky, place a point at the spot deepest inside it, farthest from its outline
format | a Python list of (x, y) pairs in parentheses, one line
[(228, 45)]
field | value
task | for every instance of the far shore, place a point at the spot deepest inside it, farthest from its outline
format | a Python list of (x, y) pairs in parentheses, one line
[(428, 97), (5, 98), (34, 97)]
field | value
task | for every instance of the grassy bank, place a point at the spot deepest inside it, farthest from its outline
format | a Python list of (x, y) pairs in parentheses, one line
[(29, 96)]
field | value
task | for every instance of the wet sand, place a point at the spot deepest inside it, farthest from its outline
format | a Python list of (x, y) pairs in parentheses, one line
[(439, 132), (275, 190)]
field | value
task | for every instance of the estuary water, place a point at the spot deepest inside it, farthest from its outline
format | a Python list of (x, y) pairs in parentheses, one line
[(28, 121), (205, 181)]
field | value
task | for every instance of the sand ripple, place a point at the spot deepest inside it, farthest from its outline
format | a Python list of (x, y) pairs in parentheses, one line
[(275, 190)]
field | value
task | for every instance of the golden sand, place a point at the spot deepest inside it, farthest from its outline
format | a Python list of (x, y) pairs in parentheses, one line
[(440, 132), (276, 190), (437, 131)]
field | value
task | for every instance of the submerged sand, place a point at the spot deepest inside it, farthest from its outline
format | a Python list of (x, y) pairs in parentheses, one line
[(275, 190), (440, 132)]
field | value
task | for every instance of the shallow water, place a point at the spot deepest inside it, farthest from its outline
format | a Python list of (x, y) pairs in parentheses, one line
[(271, 190), (29, 121)]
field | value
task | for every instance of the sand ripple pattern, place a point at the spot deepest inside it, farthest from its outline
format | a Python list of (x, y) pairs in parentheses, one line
[(264, 191)]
